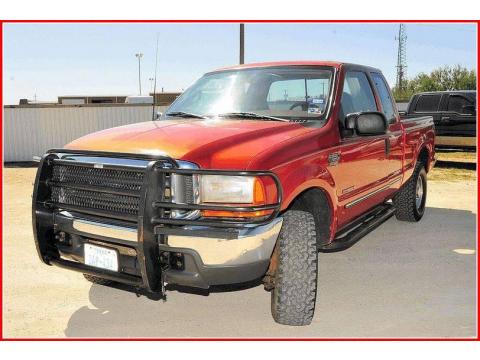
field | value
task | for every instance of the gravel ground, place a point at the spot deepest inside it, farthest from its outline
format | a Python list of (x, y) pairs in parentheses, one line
[(402, 280)]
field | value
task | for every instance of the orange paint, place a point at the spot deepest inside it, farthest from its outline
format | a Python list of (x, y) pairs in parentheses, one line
[(221, 144)]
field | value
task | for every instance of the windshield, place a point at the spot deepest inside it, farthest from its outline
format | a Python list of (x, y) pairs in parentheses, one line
[(291, 93)]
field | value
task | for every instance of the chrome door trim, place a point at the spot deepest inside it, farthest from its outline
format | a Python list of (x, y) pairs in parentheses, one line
[(370, 194)]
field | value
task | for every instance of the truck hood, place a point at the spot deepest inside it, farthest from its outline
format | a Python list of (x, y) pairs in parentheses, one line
[(216, 143)]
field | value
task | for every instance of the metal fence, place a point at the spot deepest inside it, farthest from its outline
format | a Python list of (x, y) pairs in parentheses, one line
[(31, 130)]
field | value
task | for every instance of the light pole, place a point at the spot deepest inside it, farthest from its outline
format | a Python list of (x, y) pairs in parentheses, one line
[(151, 84), (139, 57)]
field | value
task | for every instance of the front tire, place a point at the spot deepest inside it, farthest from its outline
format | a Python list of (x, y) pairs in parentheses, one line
[(411, 198), (293, 297)]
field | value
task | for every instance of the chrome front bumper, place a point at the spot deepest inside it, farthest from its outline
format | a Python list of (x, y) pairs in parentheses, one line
[(251, 244), (208, 260)]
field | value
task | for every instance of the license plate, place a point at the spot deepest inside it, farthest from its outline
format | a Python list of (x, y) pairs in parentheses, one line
[(100, 257)]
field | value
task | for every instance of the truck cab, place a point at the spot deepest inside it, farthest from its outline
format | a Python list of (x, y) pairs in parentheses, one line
[(249, 174)]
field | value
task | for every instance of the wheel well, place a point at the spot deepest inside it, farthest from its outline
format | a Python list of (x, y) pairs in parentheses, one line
[(423, 157), (316, 202)]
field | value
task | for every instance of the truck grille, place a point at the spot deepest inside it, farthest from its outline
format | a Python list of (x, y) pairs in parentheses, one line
[(109, 190), (91, 176)]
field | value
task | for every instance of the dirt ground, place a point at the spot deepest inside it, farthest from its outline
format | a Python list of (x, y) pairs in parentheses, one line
[(454, 165), (402, 280)]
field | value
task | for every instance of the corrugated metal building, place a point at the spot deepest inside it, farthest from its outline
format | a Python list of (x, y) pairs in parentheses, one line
[(31, 130)]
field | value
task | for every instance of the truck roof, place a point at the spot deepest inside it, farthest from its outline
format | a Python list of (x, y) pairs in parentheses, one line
[(335, 64)]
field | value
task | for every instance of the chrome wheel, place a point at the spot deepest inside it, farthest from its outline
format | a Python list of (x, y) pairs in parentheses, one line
[(419, 193)]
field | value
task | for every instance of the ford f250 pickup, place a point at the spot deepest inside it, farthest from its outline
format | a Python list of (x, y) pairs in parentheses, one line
[(248, 175)]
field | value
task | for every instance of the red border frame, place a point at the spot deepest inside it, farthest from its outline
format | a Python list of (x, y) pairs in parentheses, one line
[(2, 338)]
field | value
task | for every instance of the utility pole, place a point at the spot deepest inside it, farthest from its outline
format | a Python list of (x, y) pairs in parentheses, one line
[(242, 44), (401, 58), (139, 57)]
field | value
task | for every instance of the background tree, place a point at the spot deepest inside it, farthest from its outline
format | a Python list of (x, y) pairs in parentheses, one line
[(441, 79)]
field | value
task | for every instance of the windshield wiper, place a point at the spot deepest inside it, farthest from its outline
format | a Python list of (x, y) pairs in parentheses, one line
[(251, 115), (184, 114)]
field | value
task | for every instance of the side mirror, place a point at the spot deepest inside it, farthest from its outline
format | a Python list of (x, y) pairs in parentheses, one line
[(158, 115), (367, 123)]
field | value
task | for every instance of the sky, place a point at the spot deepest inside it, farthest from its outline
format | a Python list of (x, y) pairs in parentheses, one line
[(44, 61)]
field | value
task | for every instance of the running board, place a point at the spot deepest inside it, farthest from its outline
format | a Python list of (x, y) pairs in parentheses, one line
[(359, 228)]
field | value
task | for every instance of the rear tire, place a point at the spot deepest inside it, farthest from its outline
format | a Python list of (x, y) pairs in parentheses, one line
[(97, 280), (410, 200), (295, 281)]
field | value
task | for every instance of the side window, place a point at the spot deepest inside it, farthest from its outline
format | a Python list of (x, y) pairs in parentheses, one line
[(459, 104), (428, 103), (357, 94), (385, 98)]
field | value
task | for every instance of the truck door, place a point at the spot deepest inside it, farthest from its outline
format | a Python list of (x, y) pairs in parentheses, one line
[(395, 149), (360, 169)]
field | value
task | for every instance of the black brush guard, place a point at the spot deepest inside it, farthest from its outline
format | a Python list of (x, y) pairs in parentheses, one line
[(153, 220)]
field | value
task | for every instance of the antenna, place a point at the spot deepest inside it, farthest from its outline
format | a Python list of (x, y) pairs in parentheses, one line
[(401, 58), (242, 43), (155, 81)]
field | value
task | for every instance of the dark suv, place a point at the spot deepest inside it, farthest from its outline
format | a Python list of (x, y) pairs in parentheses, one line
[(454, 114)]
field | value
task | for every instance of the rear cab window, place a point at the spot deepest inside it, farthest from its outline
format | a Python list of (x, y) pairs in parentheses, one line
[(385, 97), (305, 94)]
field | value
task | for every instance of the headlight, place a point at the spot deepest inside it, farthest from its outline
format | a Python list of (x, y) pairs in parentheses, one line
[(228, 189)]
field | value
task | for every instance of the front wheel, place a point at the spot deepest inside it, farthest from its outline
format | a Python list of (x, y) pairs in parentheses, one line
[(295, 279), (410, 200)]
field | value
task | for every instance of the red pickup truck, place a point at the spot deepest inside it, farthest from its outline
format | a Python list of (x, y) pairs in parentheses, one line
[(249, 174)]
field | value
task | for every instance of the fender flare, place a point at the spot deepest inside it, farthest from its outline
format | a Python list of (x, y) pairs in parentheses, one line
[(323, 182)]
